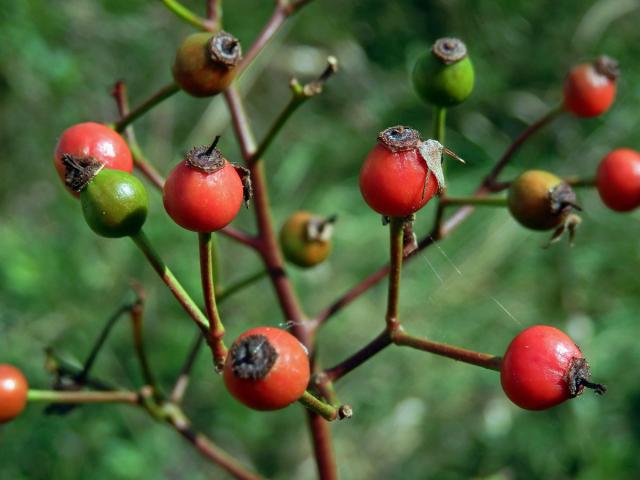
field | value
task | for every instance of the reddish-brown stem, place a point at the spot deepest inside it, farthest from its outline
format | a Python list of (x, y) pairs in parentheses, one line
[(140, 161), (399, 337), (322, 447), (272, 257), (440, 230), (484, 360), (214, 13), (491, 178), (338, 371), (274, 23), (396, 228), (240, 237), (169, 279), (268, 246), (216, 328), (155, 99), (211, 451), (137, 315), (182, 382)]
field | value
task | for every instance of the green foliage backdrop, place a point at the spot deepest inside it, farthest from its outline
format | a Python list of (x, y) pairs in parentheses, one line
[(416, 416)]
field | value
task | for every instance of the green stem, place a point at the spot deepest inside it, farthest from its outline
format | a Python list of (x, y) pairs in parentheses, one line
[(53, 396), (167, 276), (294, 103), (439, 123), (182, 382), (492, 201), (396, 254), (579, 182), (187, 15), (325, 410), (227, 292), (216, 328), (161, 95)]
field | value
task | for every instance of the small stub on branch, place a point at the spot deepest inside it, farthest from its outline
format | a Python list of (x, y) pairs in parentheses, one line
[(315, 87)]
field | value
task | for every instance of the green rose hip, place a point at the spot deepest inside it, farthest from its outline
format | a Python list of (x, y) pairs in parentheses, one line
[(444, 75), (114, 202)]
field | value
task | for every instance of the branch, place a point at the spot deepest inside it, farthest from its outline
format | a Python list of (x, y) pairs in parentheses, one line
[(439, 231), (488, 201), (55, 396), (300, 94), (325, 410), (214, 13), (396, 236), (491, 178), (137, 315), (484, 360), (399, 337), (268, 243), (155, 99), (268, 31), (188, 16), (169, 279), (82, 376), (322, 447), (182, 382), (216, 328), (378, 344), (208, 449), (119, 93)]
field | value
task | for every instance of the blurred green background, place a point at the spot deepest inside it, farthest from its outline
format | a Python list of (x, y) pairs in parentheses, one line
[(416, 415)]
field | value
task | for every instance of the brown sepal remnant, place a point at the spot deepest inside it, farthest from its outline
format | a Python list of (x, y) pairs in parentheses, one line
[(320, 229), (252, 357), (79, 171), (578, 378), (206, 158), (399, 138), (225, 49), (607, 66), (563, 199), (449, 49), (247, 186)]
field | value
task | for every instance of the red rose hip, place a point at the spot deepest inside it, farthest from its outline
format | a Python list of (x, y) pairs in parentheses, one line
[(395, 180), (267, 369), (542, 367), (13, 392), (204, 192), (618, 179), (93, 140), (590, 88)]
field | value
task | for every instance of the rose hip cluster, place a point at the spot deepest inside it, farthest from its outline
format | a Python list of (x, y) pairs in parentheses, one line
[(267, 368)]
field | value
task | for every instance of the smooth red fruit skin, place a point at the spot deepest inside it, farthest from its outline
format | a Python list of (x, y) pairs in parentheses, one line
[(286, 381), (535, 367), (200, 201), (95, 140), (13, 392), (618, 179), (588, 93), (393, 183)]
